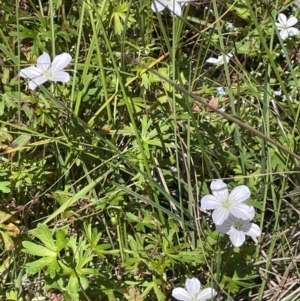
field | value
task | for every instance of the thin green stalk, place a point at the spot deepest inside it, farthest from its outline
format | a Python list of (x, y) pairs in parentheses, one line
[(52, 28), (96, 33), (129, 106)]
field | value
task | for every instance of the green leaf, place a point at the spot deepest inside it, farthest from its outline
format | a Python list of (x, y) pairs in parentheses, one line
[(21, 141), (4, 186), (35, 266), (37, 250), (44, 235)]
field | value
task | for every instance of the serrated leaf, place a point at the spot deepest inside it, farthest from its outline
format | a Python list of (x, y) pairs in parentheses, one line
[(35, 266), (61, 240), (43, 233), (37, 250), (53, 268)]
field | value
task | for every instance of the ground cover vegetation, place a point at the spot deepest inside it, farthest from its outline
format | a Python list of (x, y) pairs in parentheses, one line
[(149, 150)]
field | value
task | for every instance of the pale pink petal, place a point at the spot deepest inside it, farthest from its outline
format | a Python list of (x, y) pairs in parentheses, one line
[(193, 286), (181, 294), (239, 194), (219, 215), (207, 293), (284, 34), (61, 76), (241, 211), (282, 19), (209, 202), (254, 231), (237, 237), (44, 61), (157, 6), (31, 72), (291, 21), (60, 62), (37, 82)]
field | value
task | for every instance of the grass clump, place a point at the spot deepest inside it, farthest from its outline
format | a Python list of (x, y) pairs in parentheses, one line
[(112, 162)]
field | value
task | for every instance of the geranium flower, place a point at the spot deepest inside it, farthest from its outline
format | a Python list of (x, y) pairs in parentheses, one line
[(285, 26), (278, 93), (172, 5), (230, 25), (193, 291), (45, 70), (237, 228), (224, 203), (219, 60), (221, 91)]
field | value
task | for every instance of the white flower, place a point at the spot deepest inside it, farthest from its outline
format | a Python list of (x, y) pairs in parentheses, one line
[(237, 229), (230, 25), (278, 93), (285, 26), (219, 60), (193, 291), (45, 70), (172, 5), (224, 203), (221, 91)]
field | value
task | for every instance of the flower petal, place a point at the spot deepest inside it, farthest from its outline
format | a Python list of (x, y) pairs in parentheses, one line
[(37, 82), (291, 21), (242, 211), (218, 184), (221, 194), (175, 8), (209, 202), (284, 34), (60, 62), (239, 194), (193, 286), (61, 76), (30, 72), (157, 6), (254, 231), (207, 293), (43, 61), (237, 237), (220, 215), (279, 26), (212, 60), (181, 294), (293, 31), (282, 19), (226, 226), (251, 213)]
